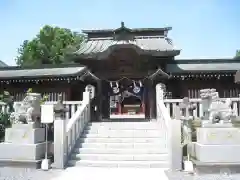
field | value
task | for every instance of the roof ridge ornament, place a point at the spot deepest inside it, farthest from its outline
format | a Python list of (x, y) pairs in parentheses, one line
[(123, 33), (122, 25)]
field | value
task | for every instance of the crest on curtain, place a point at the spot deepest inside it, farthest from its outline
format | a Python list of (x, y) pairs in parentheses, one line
[(115, 88), (136, 88)]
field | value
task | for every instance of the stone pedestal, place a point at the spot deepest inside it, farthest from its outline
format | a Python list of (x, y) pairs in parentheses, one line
[(217, 145), (24, 135), (23, 142), (216, 149)]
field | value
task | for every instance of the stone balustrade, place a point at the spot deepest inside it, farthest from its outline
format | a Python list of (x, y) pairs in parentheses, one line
[(66, 133), (172, 129), (172, 103)]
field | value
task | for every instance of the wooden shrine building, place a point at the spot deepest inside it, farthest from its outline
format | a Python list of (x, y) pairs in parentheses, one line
[(125, 65)]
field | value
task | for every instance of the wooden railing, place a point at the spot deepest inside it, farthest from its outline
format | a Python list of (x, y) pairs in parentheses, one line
[(172, 103)]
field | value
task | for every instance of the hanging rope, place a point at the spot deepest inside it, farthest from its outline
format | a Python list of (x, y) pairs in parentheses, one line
[(115, 81)]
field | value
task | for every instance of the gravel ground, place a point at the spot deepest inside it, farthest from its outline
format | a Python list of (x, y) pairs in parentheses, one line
[(9, 173), (177, 175)]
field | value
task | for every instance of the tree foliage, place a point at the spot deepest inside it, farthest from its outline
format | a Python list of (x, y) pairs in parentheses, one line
[(52, 45), (6, 98), (237, 55)]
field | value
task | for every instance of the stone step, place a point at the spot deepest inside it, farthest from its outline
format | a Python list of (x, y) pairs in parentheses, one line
[(119, 164), (122, 145), (120, 157), (126, 125), (127, 133), (120, 134), (131, 131), (122, 140), (143, 150)]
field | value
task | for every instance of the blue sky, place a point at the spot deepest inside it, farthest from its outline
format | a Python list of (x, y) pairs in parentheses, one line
[(202, 29)]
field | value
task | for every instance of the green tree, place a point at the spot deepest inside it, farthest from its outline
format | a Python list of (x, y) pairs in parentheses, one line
[(52, 45), (6, 98), (237, 55)]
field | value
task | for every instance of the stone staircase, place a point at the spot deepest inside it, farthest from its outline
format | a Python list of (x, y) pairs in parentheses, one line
[(121, 144)]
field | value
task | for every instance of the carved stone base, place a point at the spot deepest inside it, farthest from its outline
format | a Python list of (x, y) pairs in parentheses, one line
[(24, 152), (213, 168), (217, 153), (24, 135), (218, 136), (26, 126), (206, 124)]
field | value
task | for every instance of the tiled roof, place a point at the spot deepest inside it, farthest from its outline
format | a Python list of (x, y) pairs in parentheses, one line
[(45, 72), (123, 27), (197, 67), (131, 30), (146, 45)]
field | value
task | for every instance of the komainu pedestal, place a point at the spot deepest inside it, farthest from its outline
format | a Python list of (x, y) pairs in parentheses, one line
[(218, 141), (25, 140), (217, 145)]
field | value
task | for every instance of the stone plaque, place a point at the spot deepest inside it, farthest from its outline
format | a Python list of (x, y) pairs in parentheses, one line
[(214, 136), (24, 136)]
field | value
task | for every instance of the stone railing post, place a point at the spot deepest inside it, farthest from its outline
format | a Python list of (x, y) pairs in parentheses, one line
[(86, 97), (175, 147), (60, 149), (86, 100)]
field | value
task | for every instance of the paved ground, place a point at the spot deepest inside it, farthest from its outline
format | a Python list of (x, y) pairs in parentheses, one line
[(7, 173), (91, 173), (185, 176)]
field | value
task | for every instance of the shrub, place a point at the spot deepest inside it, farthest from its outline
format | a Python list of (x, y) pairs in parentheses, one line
[(195, 124), (5, 97), (4, 123)]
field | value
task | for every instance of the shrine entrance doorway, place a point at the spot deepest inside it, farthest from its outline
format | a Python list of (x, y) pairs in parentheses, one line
[(127, 100)]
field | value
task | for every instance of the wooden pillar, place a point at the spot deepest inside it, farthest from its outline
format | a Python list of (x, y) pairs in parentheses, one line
[(218, 87), (99, 96), (151, 100), (146, 99), (104, 96), (154, 107)]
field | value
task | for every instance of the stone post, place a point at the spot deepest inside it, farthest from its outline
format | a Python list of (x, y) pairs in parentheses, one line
[(60, 144), (159, 97), (86, 97), (175, 147), (86, 100)]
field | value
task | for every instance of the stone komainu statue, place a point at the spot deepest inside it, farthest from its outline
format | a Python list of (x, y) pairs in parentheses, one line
[(221, 111), (215, 109), (28, 110)]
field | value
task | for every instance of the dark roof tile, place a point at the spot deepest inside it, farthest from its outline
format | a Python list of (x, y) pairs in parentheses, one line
[(99, 45), (45, 72)]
